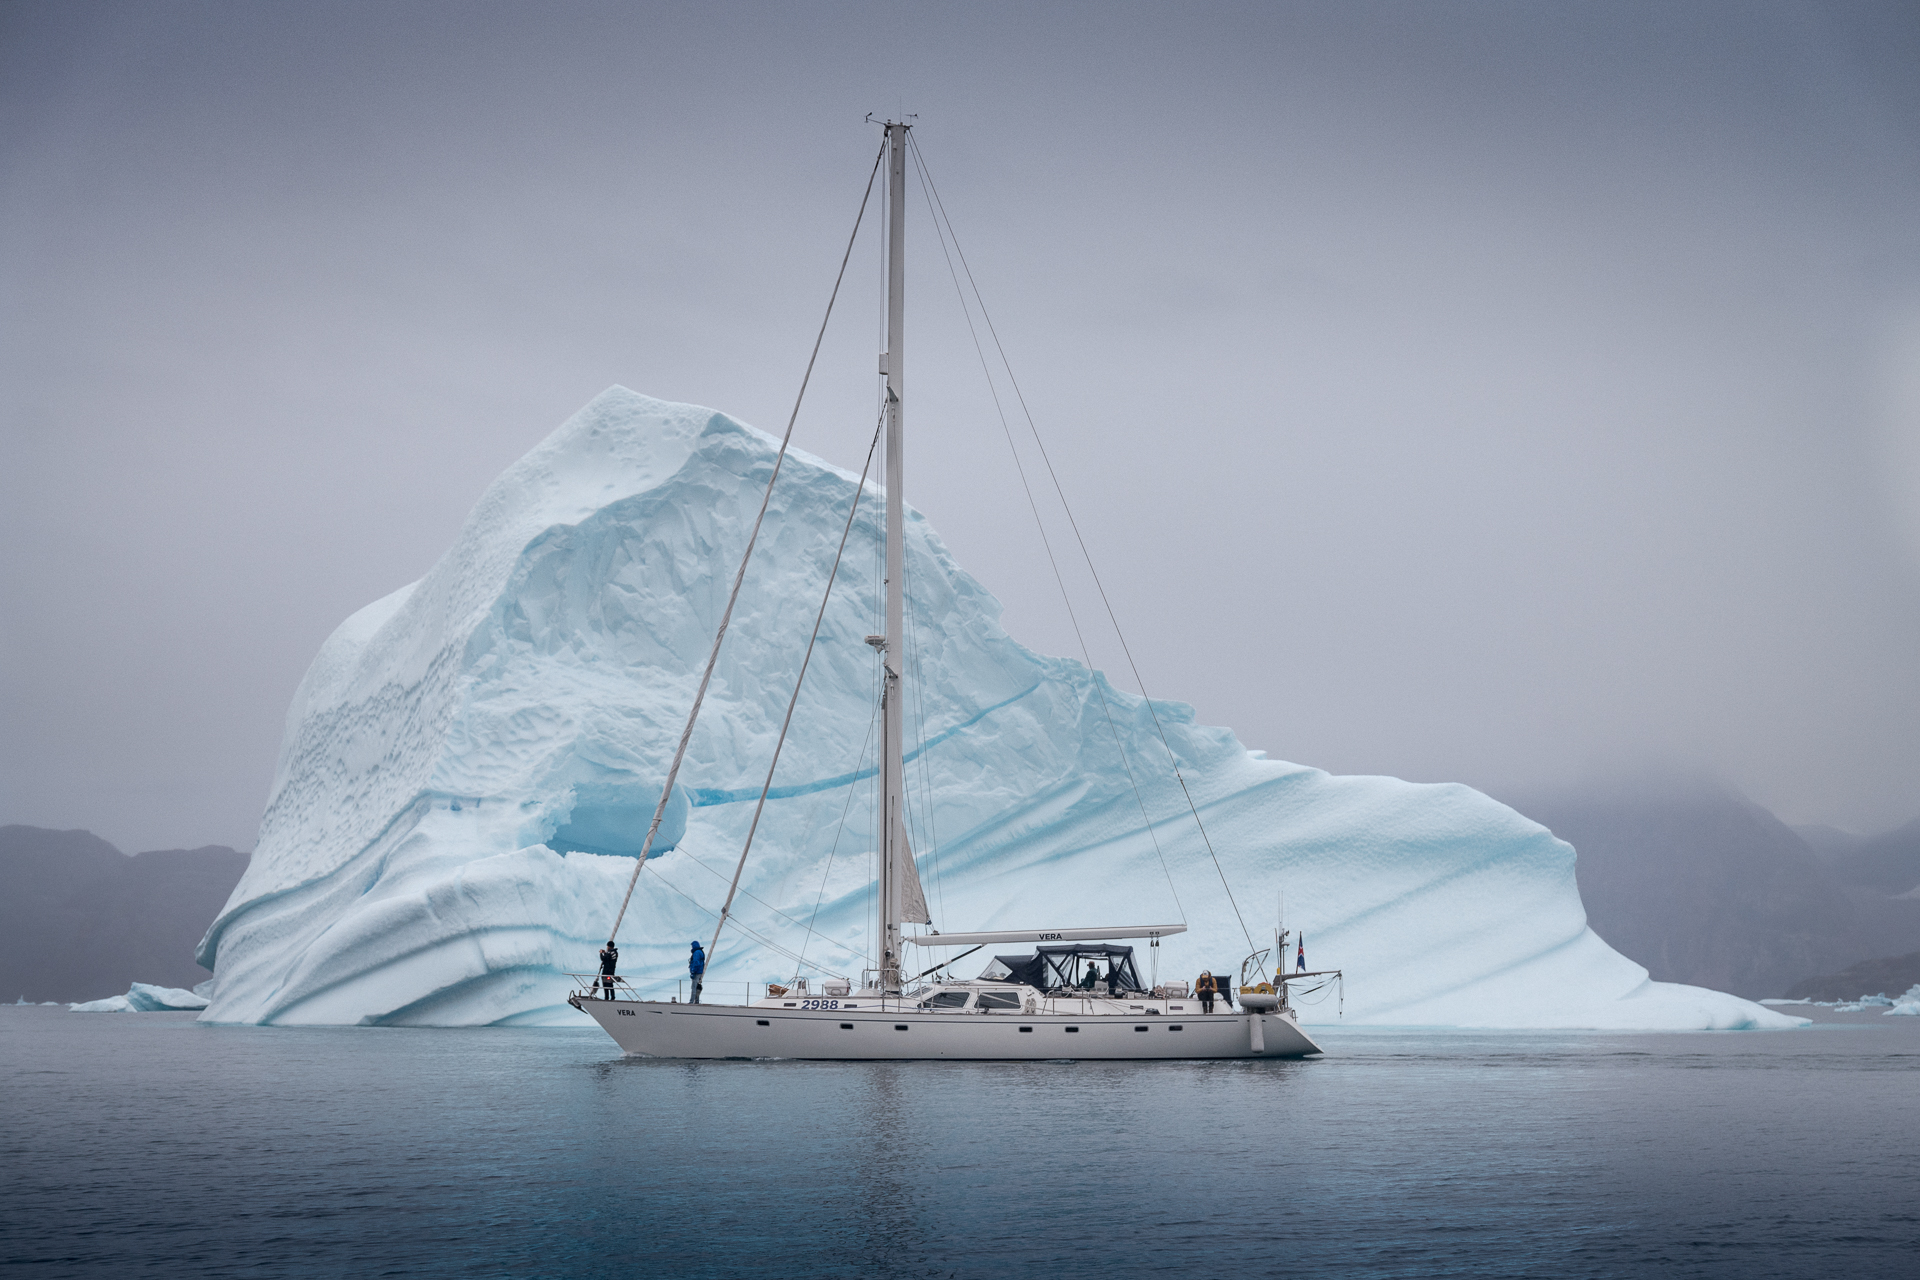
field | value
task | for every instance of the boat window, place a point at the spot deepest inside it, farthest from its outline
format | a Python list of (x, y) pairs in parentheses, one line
[(949, 1000), (1081, 966), (998, 1000)]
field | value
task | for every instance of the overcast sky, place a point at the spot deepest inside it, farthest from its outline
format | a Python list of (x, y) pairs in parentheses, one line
[(1482, 392)]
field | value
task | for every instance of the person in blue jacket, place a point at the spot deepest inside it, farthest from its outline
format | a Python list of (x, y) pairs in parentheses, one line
[(697, 966)]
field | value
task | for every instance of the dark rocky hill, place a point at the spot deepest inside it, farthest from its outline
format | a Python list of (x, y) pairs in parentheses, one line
[(1829, 842), (1705, 887), (1885, 976), (1889, 863), (80, 920)]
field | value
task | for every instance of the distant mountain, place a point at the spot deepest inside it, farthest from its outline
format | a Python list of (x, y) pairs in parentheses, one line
[(1889, 863), (1885, 976), (1830, 842), (80, 920), (1701, 885)]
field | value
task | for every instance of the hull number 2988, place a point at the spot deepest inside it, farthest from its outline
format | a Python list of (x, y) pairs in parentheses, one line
[(819, 1004)]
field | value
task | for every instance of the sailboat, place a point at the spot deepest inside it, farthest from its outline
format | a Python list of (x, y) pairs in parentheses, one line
[(1046, 994)]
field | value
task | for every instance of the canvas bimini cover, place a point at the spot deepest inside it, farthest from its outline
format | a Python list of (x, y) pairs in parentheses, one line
[(1063, 967)]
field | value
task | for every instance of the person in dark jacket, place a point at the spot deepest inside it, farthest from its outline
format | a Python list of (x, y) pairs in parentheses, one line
[(609, 961), (1206, 988), (697, 966)]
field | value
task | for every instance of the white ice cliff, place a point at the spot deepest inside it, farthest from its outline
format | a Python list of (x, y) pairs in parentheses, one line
[(470, 763), (144, 997)]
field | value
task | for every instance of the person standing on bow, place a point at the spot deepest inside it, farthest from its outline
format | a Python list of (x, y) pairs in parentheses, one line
[(609, 961), (1205, 989), (697, 966)]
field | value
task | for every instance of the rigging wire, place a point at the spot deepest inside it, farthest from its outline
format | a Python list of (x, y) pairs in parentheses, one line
[(827, 873), (713, 657), (1087, 555), (762, 939), (799, 682), (748, 893), (926, 181)]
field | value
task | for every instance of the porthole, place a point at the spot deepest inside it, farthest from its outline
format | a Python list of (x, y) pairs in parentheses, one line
[(763, 1022), (1139, 1028), (1026, 1028), (846, 1026), (1176, 1027), (1072, 1029), (899, 1026)]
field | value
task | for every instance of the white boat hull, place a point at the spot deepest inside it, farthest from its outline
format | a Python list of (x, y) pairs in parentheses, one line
[(653, 1029)]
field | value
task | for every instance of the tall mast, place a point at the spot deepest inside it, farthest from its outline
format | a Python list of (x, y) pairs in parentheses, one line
[(893, 824)]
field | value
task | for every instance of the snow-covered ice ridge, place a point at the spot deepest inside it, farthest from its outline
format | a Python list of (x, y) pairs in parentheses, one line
[(471, 762), (144, 997)]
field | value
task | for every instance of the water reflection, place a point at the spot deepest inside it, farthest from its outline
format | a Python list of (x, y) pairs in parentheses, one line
[(326, 1152)]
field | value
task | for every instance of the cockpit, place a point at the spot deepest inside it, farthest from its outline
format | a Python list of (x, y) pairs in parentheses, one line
[(1091, 967)]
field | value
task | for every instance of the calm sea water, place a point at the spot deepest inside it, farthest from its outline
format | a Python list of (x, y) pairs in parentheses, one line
[(145, 1144)]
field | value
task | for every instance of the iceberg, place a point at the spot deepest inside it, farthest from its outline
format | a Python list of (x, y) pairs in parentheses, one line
[(470, 763), (143, 997)]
